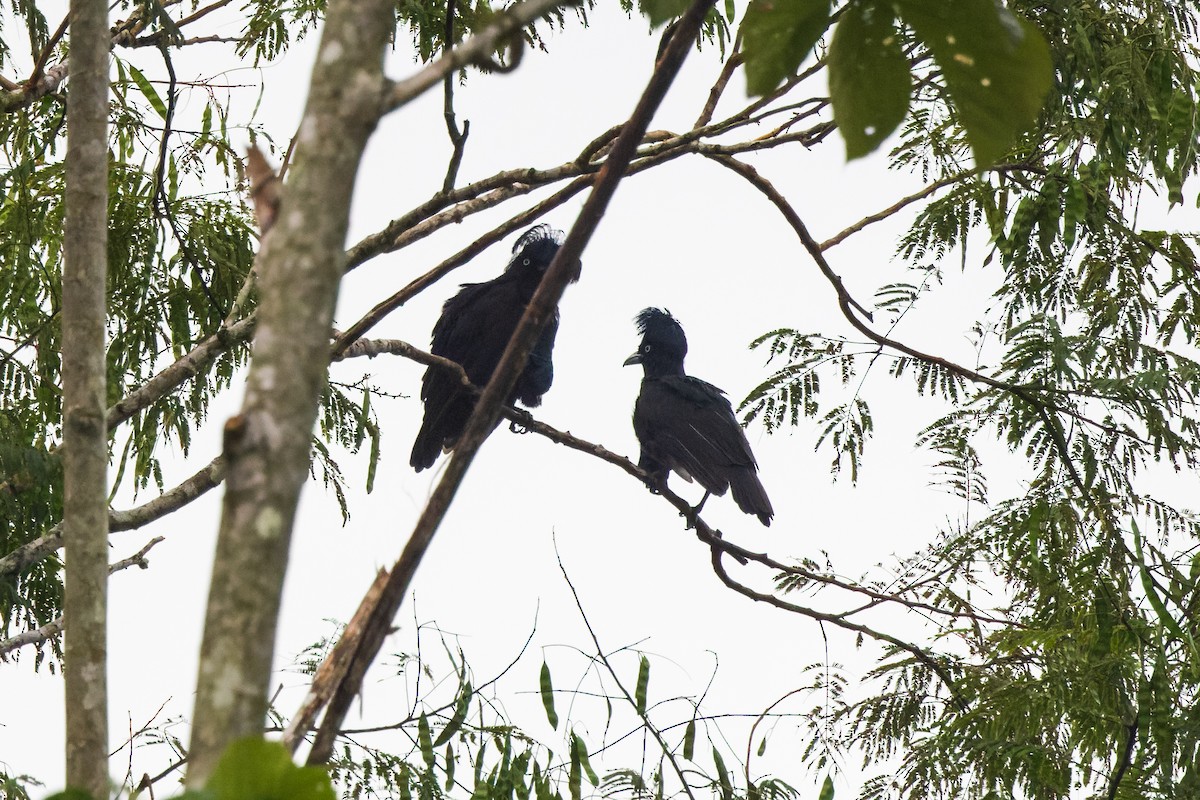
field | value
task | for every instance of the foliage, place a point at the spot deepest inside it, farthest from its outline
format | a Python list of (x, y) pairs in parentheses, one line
[(1058, 656)]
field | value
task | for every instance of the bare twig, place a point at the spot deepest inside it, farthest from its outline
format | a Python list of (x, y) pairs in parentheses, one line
[(57, 626), (458, 138), (654, 731)]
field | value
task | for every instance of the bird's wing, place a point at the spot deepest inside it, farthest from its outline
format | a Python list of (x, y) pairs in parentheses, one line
[(539, 369), (689, 425)]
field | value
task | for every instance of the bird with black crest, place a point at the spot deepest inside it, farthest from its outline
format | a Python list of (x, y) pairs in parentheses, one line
[(686, 425), (474, 330)]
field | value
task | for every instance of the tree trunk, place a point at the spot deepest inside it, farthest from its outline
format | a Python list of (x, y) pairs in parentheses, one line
[(268, 445), (85, 435)]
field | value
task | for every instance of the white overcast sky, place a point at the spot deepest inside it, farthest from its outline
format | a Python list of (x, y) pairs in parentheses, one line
[(687, 236)]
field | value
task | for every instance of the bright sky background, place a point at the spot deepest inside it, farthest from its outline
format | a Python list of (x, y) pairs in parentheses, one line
[(688, 236)]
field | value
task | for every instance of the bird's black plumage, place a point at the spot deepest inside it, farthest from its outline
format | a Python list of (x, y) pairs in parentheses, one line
[(687, 425), (473, 330)]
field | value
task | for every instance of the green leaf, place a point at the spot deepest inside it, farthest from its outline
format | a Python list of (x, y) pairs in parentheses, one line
[(777, 35), (253, 769), (460, 714), (425, 741), (827, 789), (762, 747), (575, 773), (450, 764), (547, 689), (723, 775), (643, 683), (996, 65), (579, 749), (869, 81), (1160, 608), (660, 11), (689, 740), (151, 95)]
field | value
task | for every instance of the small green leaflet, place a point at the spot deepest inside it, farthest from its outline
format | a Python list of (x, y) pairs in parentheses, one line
[(548, 696), (689, 739), (996, 66), (643, 683), (869, 80), (148, 90), (777, 36), (827, 789)]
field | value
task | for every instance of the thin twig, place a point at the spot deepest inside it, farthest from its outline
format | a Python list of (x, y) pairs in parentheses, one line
[(458, 138), (654, 731)]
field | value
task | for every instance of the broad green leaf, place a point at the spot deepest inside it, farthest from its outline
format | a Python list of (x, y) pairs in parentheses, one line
[(660, 11), (643, 683), (425, 741), (689, 740), (869, 81), (996, 65), (149, 91), (547, 689), (253, 769), (827, 789), (777, 36)]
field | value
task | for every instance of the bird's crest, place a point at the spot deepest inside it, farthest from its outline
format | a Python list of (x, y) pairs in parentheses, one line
[(656, 321), (657, 325), (536, 234), (536, 249)]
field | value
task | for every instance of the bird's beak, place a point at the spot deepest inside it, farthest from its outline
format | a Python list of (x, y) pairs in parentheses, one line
[(636, 358)]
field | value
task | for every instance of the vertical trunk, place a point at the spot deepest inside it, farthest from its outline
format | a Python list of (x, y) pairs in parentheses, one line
[(267, 446), (85, 517)]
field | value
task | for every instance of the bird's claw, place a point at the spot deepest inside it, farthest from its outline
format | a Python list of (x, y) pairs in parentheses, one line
[(517, 427)]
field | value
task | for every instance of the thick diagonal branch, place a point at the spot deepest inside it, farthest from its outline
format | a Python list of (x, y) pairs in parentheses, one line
[(487, 410)]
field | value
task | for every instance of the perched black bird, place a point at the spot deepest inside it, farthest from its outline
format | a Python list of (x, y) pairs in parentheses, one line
[(473, 330), (686, 425)]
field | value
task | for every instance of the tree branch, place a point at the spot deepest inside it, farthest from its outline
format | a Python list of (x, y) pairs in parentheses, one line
[(170, 501), (268, 445), (84, 377), (487, 409), (476, 50), (57, 626)]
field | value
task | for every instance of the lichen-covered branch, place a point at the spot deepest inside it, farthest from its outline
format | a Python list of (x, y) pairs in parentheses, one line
[(85, 435), (267, 445)]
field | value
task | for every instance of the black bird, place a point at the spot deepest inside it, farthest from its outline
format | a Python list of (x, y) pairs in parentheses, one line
[(686, 425), (473, 330)]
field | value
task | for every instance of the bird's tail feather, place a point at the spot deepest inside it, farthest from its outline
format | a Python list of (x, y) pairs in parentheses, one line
[(751, 497), (426, 448)]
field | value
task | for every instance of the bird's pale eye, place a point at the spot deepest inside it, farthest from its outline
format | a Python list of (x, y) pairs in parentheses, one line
[(525, 262), (645, 348)]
